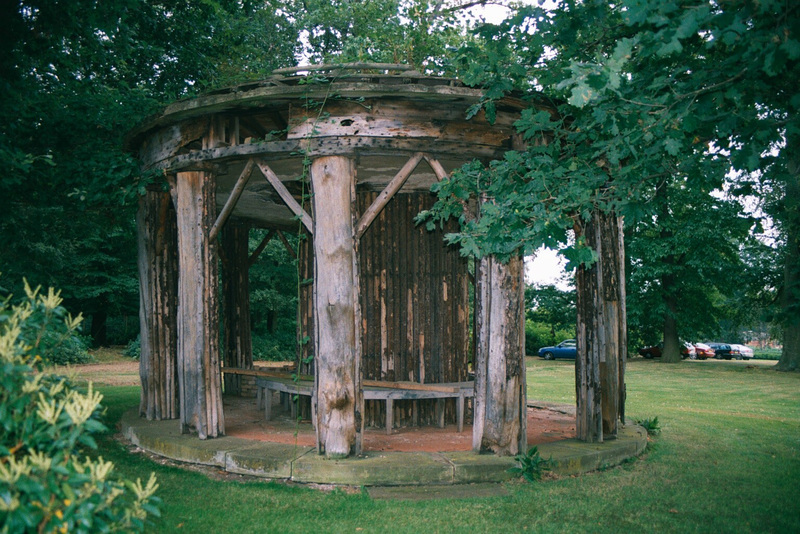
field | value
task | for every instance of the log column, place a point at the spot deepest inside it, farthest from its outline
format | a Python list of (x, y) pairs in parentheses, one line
[(198, 316), (337, 341), (158, 303), (500, 417), (600, 364), (236, 301)]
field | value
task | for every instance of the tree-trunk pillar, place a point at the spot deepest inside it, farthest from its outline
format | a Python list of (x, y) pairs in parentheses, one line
[(158, 303), (500, 415), (198, 317), (599, 368), (236, 302), (790, 296), (338, 397)]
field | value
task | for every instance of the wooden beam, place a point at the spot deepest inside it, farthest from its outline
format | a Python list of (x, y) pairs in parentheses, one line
[(260, 248), (236, 192), (286, 196), (287, 245), (500, 415), (386, 195), (238, 348), (337, 316), (344, 66), (158, 304), (438, 170), (199, 382)]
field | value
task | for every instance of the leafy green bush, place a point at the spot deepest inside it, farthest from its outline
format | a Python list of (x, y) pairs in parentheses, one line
[(133, 349), (531, 465), (538, 335), (47, 330), (279, 347), (767, 354), (47, 484), (652, 426)]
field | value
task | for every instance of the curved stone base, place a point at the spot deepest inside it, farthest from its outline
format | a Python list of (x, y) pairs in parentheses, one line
[(302, 464)]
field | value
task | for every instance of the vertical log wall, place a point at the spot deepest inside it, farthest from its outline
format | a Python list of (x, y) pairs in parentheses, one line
[(238, 350), (500, 418), (336, 308), (198, 335), (414, 306), (600, 365), (158, 302)]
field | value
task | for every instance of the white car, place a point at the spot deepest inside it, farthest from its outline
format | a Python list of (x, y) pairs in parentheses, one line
[(745, 352)]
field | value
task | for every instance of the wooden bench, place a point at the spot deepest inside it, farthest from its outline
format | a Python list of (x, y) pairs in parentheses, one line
[(267, 382)]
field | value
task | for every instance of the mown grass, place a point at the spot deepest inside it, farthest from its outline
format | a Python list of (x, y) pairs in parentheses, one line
[(727, 460)]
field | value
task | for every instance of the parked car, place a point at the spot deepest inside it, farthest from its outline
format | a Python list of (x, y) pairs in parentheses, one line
[(703, 351), (566, 349), (687, 351), (745, 351), (728, 351)]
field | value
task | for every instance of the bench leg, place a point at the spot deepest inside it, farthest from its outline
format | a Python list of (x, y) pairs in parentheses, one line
[(460, 410), (259, 396), (267, 403), (389, 415), (440, 412)]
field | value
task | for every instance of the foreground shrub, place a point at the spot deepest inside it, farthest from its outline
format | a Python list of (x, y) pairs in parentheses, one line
[(47, 483), (530, 466), (133, 349)]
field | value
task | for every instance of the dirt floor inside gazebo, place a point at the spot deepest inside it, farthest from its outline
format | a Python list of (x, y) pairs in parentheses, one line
[(546, 423)]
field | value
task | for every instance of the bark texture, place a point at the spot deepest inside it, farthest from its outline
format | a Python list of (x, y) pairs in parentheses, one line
[(198, 317), (238, 351), (790, 301), (500, 421), (336, 311), (601, 331), (158, 304)]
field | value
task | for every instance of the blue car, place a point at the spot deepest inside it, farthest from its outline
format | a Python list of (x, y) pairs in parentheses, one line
[(566, 349)]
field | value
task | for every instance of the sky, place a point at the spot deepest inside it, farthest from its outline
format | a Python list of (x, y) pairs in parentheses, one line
[(546, 267)]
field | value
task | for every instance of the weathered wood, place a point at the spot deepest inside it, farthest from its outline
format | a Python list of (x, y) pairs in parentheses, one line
[(198, 335), (344, 145), (345, 67), (500, 419), (386, 195), (437, 167), (415, 307), (238, 350), (241, 183), (286, 245), (599, 367), (158, 303), (261, 246), (336, 315), (287, 197)]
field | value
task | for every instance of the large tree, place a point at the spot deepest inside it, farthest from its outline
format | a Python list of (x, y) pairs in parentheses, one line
[(643, 92), (682, 261), (74, 78)]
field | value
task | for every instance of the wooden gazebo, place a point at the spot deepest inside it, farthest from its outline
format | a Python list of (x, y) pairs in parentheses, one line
[(344, 156)]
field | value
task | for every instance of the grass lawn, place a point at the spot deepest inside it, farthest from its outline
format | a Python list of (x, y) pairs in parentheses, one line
[(727, 460)]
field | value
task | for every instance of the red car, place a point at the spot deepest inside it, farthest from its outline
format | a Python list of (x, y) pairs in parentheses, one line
[(687, 351), (703, 351)]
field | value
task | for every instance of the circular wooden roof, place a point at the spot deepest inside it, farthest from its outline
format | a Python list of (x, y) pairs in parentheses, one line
[(380, 115)]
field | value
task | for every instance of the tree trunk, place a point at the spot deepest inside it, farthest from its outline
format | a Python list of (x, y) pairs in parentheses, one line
[(99, 331), (158, 304), (236, 302), (338, 398), (198, 316), (500, 415), (601, 336), (671, 351), (790, 301)]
